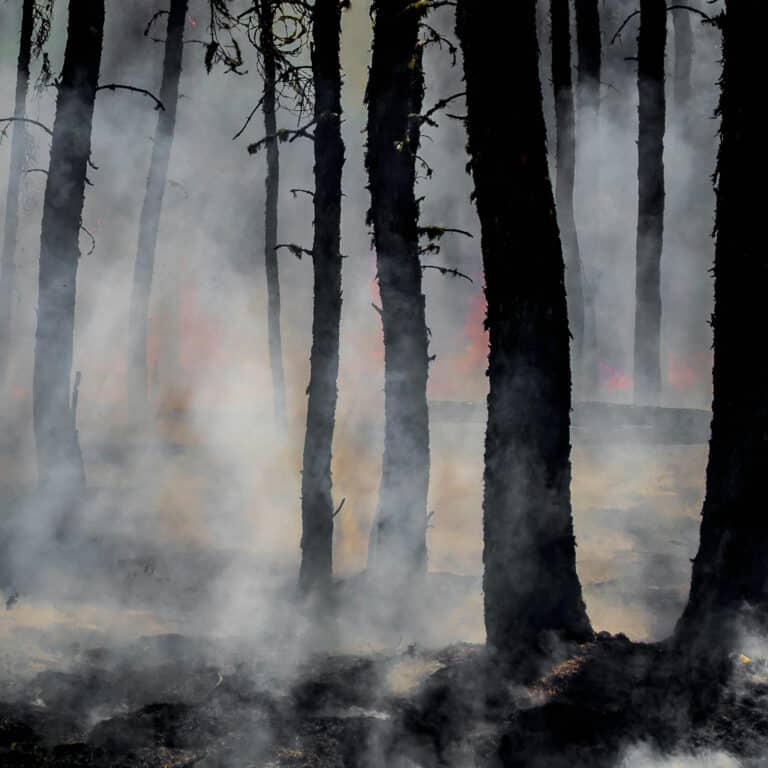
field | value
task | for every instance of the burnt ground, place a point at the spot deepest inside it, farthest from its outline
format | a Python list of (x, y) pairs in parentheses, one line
[(160, 702)]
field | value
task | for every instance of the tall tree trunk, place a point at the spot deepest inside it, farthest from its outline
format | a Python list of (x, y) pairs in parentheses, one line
[(730, 572), (650, 217), (530, 586), (589, 48), (395, 94), (18, 155), (562, 82), (149, 223), (60, 462), (683, 58), (269, 106), (316, 498)]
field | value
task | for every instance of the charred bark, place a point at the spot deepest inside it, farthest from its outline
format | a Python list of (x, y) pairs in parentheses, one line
[(650, 217), (60, 462), (18, 155), (589, 70), (149, 223), (316, 485), (531, 589), (395, 94), (565, 119), (730, 572), (266, 10)]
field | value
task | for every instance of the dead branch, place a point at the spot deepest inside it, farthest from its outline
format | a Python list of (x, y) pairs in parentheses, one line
[(133, 89), (447, 271), (339, 508)]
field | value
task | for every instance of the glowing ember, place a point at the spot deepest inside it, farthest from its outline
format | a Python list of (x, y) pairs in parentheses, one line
[(614, 380)]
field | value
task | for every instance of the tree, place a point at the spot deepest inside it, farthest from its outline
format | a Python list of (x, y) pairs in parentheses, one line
[(149, 223), (683, 57), (316, 486), (730, 572), (395, 96), (531, 589), (650, 217), (60, 462), (589, 49), (565, 120), (18, 154), (268, 46)]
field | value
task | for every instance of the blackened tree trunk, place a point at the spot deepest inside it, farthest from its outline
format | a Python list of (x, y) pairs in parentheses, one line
[(683, 57), (565, 119), (149, 223), (650, 217), (589, 53), (730, 572), (316, 497), (60, 463), (395, 95), (267, 41), (589, 49), (531, 589), (18, 154)]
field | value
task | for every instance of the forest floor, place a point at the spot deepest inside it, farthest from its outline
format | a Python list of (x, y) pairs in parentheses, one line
[(161, 702)]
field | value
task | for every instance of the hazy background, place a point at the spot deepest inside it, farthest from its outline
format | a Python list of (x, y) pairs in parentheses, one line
[(213, 476)]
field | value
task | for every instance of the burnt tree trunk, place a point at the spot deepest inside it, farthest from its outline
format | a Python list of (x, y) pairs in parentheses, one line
[(267, 41), (395, 94), (531, 589), (16, 171), (565, 120), (149, 223), (589, 70), (650, 216), (683, 58), (60, 462), (730, 572), (316, 487)]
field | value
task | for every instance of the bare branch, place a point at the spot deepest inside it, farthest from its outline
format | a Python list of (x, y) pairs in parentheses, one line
[(118, 86), (92, 239), (27, 120), (447, 271), (340, 507)]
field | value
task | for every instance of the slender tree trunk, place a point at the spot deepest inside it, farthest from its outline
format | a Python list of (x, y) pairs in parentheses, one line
[(149, 223), (683, 58), (18, 156), (730, 572), (60, 462), (316, 497), (566, 169), (395, 94), (530, 586), (269, 60), (650, 218), (589, 48)]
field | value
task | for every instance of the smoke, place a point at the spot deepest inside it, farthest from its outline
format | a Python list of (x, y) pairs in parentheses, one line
[(643, 756), (192, 521)]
